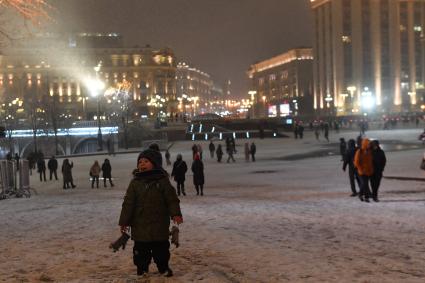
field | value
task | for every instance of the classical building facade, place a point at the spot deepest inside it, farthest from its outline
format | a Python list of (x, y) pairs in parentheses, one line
[(282, 85), (51, 76), (369, 56), (194, 90)]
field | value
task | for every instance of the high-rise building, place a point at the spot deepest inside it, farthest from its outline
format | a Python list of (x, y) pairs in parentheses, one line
[(369, 56), (282, 85)]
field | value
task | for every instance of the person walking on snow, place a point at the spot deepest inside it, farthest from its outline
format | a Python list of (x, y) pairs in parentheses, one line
[(53, 167), (198, 175), (41, 167), (107, 172), (179, 172), (363, 160), (149, 203), (67, 174), (211, 147), (349, 161), (379, 162), (94, 174), (253, 151), (219, 153), (247, 152)]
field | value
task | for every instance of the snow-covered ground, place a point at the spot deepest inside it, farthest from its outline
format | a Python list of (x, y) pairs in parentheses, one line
[(275, 220)]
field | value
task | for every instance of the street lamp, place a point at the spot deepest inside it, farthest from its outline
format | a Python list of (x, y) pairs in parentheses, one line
[(95, 87)]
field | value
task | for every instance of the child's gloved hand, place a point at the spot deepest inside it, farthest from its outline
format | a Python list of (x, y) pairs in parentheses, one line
[(178, 219)]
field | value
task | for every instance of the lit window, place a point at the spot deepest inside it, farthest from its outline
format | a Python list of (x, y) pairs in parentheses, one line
[(417, 28)]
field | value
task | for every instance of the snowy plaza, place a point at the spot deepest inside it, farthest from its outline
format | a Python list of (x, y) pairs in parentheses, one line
[(286, 218)]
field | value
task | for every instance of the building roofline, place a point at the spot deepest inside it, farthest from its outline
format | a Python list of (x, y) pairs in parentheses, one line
[(316, 3), (284, 58)]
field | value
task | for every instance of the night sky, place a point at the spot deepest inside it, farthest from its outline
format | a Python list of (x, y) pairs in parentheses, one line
[(220, 37)]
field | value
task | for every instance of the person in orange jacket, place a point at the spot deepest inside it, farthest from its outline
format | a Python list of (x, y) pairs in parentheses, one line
[(363, 161)]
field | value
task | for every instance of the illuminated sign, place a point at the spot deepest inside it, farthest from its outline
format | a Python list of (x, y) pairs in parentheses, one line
[(284, 110), (272, 111)]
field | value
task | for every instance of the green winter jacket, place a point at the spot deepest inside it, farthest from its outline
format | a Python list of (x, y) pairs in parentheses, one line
[(148, 204)]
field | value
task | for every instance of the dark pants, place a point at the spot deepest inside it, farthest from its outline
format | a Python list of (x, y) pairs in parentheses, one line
[(352, 175), (364, 187), (42, 175), (199, 188), (95, 178), (375, 181), (110, 181), (230, 157), (253, 157), (143, 252), (180, 187), (53, 172)]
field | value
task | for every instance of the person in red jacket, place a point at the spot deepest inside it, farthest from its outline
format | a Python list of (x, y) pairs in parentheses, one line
[(363, 161)]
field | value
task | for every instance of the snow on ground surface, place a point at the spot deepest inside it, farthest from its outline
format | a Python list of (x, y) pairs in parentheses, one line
[(279, 219)]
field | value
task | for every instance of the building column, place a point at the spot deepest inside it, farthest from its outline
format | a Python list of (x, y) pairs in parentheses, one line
[(376, 48), (357, 41), (411, 47), (338, 54), (395, 52)]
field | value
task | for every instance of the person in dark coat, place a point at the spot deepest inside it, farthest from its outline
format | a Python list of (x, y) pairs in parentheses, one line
[(179, 172), (194, 150), (17, 158), (349, 161), (229, 150), (211, 147), (31, 161), (53, 167), (342, 148), (219, 153), (301, 131), (67, 174), (107, 172), (167, 157), (379, 162), (149, 203), (41, 168), (326, 129), (198, 175), (253, 150)]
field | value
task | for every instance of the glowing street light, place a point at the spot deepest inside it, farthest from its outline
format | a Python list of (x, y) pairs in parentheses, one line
[(95, 87)]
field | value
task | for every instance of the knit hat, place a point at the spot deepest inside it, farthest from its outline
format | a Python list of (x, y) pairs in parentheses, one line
[(153, 156)]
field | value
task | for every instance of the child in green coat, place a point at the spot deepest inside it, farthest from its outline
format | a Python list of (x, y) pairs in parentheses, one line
[(149, 203)]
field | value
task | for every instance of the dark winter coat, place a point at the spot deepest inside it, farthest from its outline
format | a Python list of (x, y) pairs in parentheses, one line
[(106, 170), (52, 164), (67, 171), (219, 151), (198, 172), (379, 160), (148, 204), (179, 171), (253, 149), (41, 165), (349, 155), (211, 147)]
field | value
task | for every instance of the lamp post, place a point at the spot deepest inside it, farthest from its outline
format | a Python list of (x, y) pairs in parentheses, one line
[(96, 86)]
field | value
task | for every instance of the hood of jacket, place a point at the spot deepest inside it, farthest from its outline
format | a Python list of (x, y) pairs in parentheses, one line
[(365, 144)]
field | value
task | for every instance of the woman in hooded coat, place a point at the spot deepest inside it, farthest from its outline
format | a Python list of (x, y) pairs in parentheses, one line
[(198, 175)]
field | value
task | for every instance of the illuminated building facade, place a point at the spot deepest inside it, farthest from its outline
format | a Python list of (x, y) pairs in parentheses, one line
[(194, 90), (369, 56), (282, 85), (51, 78)]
